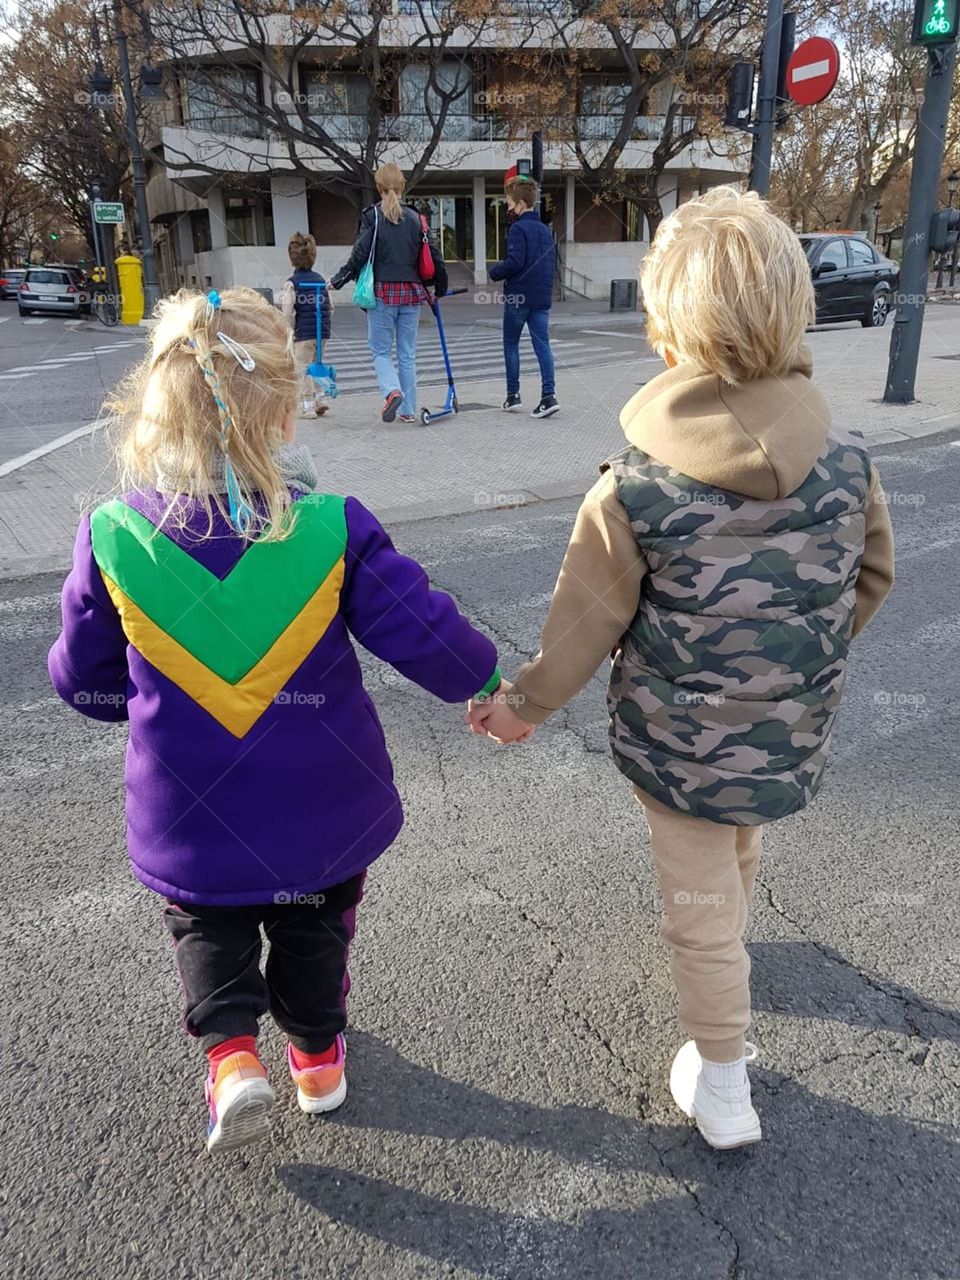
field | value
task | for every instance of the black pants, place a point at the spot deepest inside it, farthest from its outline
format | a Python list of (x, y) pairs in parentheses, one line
[(305, 983)]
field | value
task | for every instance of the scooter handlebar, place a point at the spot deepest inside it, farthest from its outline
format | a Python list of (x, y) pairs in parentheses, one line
[(452, 292)]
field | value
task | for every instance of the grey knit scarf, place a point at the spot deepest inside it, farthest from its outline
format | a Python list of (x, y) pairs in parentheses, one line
[(295, 462)]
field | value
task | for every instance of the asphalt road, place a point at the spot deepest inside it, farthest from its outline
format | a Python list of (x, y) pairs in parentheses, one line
[(512, 1019)]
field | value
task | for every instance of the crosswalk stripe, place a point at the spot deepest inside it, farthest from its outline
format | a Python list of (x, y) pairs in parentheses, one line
[(35, 321), (4, 319)]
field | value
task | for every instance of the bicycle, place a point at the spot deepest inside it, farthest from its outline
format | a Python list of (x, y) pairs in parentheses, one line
[(104, 307)]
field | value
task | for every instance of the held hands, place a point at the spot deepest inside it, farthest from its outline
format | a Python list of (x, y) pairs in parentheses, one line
[(495, 718)]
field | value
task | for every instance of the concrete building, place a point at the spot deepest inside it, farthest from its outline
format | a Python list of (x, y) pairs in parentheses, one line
[(228, 222)]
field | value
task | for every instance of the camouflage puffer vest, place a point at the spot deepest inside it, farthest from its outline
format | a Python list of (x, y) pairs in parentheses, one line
[(723, 694)]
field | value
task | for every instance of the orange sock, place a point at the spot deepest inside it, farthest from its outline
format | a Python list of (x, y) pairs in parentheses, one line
[(304, 1061), (236, 1044)]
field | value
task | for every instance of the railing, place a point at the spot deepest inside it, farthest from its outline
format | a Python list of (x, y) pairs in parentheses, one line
[(417, 127)]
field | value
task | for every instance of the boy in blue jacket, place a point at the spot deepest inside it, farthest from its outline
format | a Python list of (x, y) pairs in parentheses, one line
[(527, 275)]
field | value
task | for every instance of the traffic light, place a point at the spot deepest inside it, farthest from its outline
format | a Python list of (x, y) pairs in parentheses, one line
[(523, 169), (739, 96), (935, 21), (944, 230), (54, 235)]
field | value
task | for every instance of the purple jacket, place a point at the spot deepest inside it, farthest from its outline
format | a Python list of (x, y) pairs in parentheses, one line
[(256, 766)]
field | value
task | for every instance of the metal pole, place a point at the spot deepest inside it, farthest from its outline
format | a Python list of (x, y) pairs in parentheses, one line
[(536, 163), (151, 288), (927, 159), (766, 119)]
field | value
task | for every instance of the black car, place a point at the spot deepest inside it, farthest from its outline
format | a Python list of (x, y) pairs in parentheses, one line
[(852, 280)]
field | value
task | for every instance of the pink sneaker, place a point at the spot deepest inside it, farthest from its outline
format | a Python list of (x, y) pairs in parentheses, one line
[(239, 1099), (321, 1088)]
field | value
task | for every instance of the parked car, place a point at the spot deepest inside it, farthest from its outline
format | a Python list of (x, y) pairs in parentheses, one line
[(53, 289), (10, 282), (852, 279)]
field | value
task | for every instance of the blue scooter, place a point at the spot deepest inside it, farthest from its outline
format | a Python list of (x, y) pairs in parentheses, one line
[(450, 405), (325, 374)]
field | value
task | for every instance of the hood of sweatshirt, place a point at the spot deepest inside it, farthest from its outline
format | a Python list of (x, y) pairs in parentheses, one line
[(760, 439)]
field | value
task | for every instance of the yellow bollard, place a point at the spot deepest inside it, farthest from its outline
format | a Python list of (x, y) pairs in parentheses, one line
[(130, 278)]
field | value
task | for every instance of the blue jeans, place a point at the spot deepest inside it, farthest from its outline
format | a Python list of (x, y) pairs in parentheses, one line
[(382, 323), (537, 320)]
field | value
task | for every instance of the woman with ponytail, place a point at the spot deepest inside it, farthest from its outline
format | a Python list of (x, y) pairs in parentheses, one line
[(392, 232)]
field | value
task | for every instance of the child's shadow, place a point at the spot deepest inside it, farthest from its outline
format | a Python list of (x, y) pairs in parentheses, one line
[(802, 980), (832, 1192)]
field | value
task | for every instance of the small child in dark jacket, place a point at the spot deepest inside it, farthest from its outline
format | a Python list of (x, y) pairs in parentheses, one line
[(298, 304), (527, 275)]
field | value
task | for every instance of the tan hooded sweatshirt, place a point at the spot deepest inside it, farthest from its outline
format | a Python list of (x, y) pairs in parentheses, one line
[(760, 440)]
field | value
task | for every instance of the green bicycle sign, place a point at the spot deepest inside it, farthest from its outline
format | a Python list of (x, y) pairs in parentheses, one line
[(936, 21)]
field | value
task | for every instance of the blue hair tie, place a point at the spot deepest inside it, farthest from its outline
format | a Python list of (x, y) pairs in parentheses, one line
[(213, 298), (240, 513)]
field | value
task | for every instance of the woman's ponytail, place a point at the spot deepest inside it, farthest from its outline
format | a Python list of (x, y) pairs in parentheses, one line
[(390, 183)]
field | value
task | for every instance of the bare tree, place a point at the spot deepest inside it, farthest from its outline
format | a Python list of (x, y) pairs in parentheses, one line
[(327, 88)]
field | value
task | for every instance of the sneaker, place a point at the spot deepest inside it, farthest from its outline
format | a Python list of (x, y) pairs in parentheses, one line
[(512, 402), (724, 1115), (321, 1088), (307, 411), (321, 408), (239, 1099), (547, 406), (390, 406), (408, 417)]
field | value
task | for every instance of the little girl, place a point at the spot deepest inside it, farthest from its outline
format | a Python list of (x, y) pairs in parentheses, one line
[(213, 606)]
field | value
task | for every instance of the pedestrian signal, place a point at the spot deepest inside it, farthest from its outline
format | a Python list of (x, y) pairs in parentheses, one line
[(936, 21)]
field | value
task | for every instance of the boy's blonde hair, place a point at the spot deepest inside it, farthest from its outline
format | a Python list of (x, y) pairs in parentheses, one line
[(522, 190), (170, 425), (302, 251), (727, 287), (390, 183)]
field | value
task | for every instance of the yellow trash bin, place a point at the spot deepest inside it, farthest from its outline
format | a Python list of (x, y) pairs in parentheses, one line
[(130, 278)]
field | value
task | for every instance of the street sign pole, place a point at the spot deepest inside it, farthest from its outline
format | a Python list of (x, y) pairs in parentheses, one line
[(924, 184), (151, 288), (762, 154)]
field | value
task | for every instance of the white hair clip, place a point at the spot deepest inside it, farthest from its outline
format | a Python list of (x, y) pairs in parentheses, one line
[(242, 356)]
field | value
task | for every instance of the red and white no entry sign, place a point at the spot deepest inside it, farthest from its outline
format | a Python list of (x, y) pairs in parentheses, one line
[(812, 70)]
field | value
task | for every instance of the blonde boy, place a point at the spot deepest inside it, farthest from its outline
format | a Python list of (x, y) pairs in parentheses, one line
[(726, 557)]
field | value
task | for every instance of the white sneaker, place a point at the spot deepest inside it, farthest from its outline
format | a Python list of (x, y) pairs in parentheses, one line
[(724, 1115)]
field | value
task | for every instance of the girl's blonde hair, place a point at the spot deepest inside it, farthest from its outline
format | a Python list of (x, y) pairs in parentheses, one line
[(171, 425), (390, 184), (727, 287)]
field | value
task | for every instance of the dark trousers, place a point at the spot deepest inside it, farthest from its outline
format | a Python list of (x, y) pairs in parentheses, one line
[(305, 982), (537, 320)]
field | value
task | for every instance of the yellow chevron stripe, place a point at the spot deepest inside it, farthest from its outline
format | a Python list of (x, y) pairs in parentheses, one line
[(236, 706)]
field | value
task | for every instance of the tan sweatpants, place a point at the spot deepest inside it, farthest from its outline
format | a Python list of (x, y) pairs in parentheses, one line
[(707, 872), (310, 392)]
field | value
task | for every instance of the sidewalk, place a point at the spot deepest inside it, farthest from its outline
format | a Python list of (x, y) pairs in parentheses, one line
[(482, 458)]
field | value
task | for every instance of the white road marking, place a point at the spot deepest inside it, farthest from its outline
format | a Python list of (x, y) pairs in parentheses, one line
[(615, 333), (4, 319), (42, 450), (35, 321)]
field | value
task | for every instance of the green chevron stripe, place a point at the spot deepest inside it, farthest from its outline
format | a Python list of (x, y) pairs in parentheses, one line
[(227, 624)]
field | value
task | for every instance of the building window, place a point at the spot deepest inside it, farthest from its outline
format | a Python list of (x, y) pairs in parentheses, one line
[(603, 102), (633, 224), (240, 215), (200, 231), (339, 102), (419, 101), (223, 101)]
